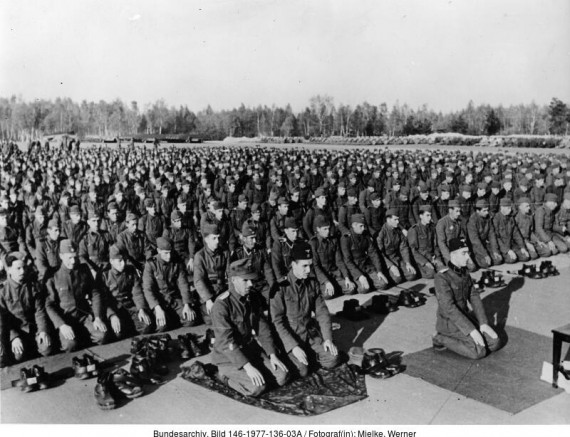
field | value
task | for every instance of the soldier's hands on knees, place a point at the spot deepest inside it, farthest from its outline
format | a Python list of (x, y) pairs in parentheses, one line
[(488, 259), (330, 346), (382, 277), (551, 245), (160, 316), (329, 289), (429, 266), (115, 324), (254, 374), (44, 338), (477, 337), (17, 346), (300, 355), (512, 254), (394, 270), (276, 363), (410, 268), (348, 284), (143, 317), (405, 232), (209, 305), (67, 332), (525, 252), (99, 325), (190, 265), (486, 329), (364, 282), (188, 313)]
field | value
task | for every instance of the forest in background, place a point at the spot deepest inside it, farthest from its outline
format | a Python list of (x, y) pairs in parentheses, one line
[(25, 121)]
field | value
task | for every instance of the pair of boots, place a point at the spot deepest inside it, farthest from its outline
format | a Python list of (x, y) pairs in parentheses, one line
[(491, 279), (547, 269), (114, 385), (85, 367), (190, 345), (150, 355), (411, 299), (372, 362), (33, 378)]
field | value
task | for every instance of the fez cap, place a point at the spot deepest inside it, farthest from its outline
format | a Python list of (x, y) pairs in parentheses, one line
[(457, 244), (243, 268), (290, 223), (301, 250)]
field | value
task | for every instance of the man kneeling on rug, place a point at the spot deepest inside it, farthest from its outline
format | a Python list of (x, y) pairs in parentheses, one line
[(459, 330), (246, 362)]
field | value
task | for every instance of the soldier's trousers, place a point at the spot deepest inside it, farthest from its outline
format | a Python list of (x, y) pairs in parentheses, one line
[(241, 382), (85, 335), (465, 346), (519, 256), (402, 275), (130, 323), (428, 273), (537, 249), (337, 280), (373, 281), (496, 259), (316, 354), (562, 246), (32, 347), (174, 317)]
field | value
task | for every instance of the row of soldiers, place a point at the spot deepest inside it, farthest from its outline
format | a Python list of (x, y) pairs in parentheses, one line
[(147, 246)]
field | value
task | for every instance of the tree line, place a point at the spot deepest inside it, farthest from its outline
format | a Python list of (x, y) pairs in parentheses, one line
[(21, 120)]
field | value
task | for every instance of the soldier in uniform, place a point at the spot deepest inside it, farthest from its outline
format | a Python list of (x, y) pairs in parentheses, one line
[(124, 295), (562, 219), (24, 321), (459, 330), (11, 239), (375, 214), (244, 351), (112, 224), (345, 212), (36, 231), (94, 247), (216, 215), (166, 289), (361, 257), (151, 224), (525, 225), (306, 340), (132, 243), (319, 207), (544, 225), (509, 238), (210, 265), (482, 237), (394, 249), (74, 228), (47, 258), (423, 244), (69, 291), (183, 240), (277, 222), (449, 227), (330, 269), (280, 254)]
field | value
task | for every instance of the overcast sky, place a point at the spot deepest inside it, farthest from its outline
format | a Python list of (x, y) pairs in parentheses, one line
[(198, 52)]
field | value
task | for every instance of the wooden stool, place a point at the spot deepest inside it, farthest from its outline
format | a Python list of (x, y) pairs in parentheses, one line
[(560, 334)]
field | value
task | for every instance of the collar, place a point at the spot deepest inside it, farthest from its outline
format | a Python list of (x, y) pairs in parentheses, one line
[(458, 270)]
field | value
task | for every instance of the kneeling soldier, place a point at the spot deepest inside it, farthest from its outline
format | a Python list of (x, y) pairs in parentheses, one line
[(244, 350), (423, 244), (509, 238)]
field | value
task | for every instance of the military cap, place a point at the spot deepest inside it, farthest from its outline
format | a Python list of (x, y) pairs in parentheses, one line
[(182, 199), (551, 197), (396, 182), (149, 203), (495, 184), (481, 203), (283, 201), (371, 183), (273, 196), (425, 208), (67, 246), (341, 184), (115, 253), (303, 180), (481, 186), (321, 221), (290, 223), (112, 206), (423, 187), (453, 204), (255, 208), (392, 212), (352, 175), (457, 244), (505, 201), (466, 188), (351, 192), (405, 191), (163, 243), (524, 182), (242, 198), (567, 195), (319, 192), (524, 200), (301, 251), (92, 214), (53, 223), (210, 229), (375, 196), (357, 218), (40, 210), (247, 229), (243, 268), (75, 210), (175, 215), (217, 205)]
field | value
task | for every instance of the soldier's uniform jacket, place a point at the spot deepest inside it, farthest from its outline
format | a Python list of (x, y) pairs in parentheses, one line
[(561, 220), (113, 228), (164, 282), (358, 252), (124, 289), (525, 225), (68, 293), (23, 308), (75, 232), (374, 218), (238, 217), (133, 245), (423, 244), (152, 226), (277, 224), (262, 235), (446, 229), (36, 232), (226, 234), (310, 216), (10, 241), (238, 322), (291, 309), (453, 289), (259, 260), (421, 202), (393, 245), (47, 258), (210, 272), (544, 223), (404, 208), (165, 207), (327, 258), (364, 200), (344, 215), (281, 258), (508, 235), (537, 195), (481, 235), (184, 241), (441, 208), (467, 208), (94, 249)]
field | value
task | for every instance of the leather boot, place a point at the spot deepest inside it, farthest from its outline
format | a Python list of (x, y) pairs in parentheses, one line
[(41, 376), (80, 368), (125, 384), (103, 392), (28, 381)]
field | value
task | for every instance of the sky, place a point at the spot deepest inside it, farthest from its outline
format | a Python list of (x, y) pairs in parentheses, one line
[(224, 53)]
